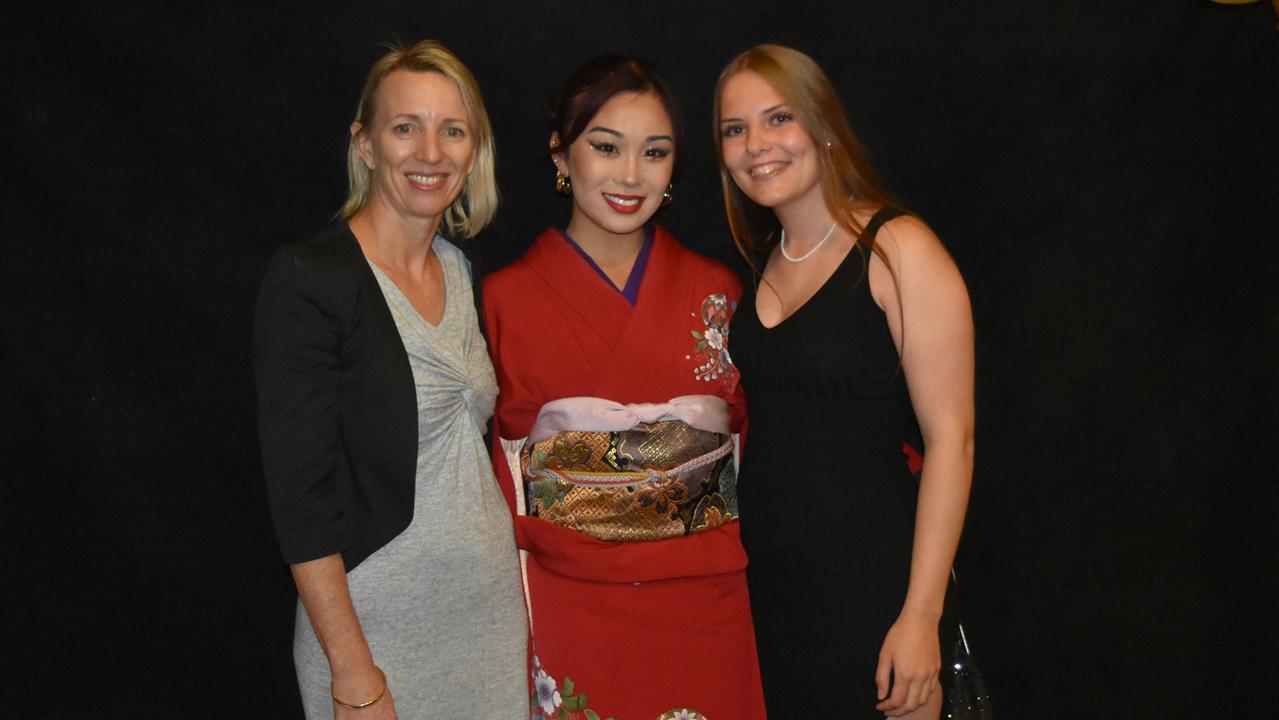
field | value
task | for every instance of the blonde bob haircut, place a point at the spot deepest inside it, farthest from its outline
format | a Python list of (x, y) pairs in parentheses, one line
[(848, 183), (477, 203)]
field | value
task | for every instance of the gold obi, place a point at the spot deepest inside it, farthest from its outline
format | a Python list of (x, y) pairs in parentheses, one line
[(652, 481)]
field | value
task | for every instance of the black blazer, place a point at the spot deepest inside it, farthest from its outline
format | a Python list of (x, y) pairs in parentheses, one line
[(337, 406)]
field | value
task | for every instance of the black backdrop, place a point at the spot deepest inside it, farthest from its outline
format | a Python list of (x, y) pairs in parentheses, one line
[(1106, 175)]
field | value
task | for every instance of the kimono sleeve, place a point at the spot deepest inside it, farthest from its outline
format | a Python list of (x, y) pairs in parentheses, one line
[(497, 451), (296, 345), (735, 397)]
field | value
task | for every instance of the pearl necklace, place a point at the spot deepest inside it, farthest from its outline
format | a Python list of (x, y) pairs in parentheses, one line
[(805, 256)]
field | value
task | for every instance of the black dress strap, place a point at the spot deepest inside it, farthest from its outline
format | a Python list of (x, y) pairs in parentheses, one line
[(877, 221)]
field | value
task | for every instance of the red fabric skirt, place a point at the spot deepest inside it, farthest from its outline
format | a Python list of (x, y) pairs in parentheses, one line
[(640, 631)]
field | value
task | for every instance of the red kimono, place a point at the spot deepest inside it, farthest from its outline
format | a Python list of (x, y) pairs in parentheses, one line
[(630, 630)]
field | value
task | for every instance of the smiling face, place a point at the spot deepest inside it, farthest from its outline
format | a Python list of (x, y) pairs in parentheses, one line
[(418, 145), (771, 156), (620, 166)]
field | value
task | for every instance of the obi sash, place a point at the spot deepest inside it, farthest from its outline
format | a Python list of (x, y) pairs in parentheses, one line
[(631, 473)]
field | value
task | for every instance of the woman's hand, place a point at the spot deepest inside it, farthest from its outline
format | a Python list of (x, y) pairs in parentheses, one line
[(911, 658), (360, 685), (356, 679)]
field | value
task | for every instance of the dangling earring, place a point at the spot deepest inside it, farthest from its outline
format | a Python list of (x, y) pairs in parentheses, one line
[(666, 196), (563, 185)]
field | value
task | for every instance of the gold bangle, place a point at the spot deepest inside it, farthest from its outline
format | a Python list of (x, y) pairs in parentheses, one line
[(360, 706)]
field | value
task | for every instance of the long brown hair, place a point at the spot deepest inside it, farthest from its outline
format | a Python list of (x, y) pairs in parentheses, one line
[(848, 182)]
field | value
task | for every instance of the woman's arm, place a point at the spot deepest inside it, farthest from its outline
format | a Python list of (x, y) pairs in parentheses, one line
[(930, 318), (323, 589), (296, 367), (297, 337)]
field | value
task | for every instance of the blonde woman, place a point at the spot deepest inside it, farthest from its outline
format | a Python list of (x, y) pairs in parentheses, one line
[(375, 386), (859, 324)]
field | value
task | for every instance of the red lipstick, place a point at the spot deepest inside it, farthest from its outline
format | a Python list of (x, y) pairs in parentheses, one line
[(624, 204)]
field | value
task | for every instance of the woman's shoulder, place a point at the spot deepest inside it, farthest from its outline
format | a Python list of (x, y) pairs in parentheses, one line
[(332, 249), (517, 273), (506, 278), (906, 235), (908, 242), (328, 268)]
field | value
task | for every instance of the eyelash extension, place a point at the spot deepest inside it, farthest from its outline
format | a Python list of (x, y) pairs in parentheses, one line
[(604, 147)]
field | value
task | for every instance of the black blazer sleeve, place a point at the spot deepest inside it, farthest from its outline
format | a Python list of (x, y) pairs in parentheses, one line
[(296, 355)]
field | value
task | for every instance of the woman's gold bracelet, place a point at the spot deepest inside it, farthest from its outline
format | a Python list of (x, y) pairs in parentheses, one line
[(362, 705)]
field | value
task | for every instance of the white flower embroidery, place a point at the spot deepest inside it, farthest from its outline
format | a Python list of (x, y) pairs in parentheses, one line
[(714, 338), (711, 352), (548, 696)]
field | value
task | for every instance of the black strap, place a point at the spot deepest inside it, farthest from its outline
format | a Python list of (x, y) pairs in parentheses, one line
[(877, 221)]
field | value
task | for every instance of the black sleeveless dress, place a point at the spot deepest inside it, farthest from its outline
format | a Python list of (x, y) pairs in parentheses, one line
[(827, 500)]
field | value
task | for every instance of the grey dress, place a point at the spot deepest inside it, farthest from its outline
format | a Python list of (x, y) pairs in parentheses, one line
[(441, 605)]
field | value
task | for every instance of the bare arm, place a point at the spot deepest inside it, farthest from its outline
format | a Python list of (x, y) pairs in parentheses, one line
[(930, 318), (323, 589)]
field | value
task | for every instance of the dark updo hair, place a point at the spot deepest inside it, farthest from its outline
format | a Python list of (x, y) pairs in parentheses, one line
[(596, 82)]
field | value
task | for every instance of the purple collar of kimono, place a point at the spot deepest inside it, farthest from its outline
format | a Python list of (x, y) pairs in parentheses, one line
[(631, 291)]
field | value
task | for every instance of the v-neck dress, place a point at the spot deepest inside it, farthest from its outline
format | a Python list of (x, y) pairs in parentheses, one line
[(827, 499), (441, 604)]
